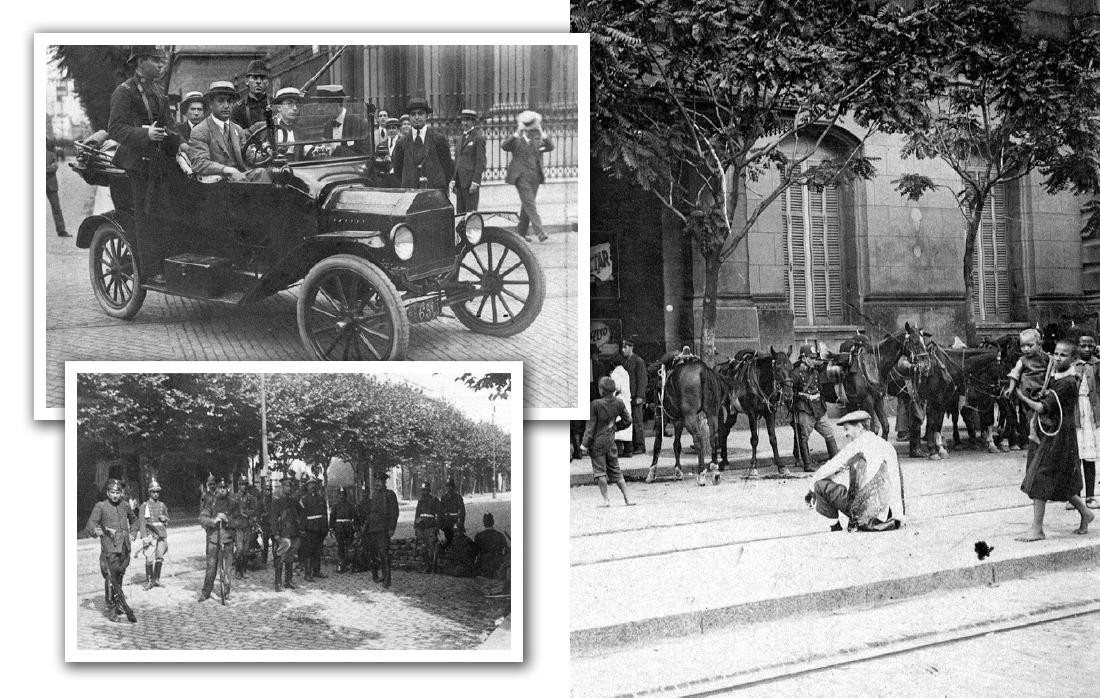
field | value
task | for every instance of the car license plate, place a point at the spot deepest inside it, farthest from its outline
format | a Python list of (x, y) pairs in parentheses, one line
[(423, 311)]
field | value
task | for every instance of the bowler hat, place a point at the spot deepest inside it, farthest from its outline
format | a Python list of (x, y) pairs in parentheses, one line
[(467, 114), (288, 93), (329, 92), (857, 416), (137, 52), (257, 67), (192, 96), (221, 87), (418, 103)]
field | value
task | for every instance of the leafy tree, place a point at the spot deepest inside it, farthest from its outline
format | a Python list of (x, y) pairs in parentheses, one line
[(500, 384), (696, 99), (95, 71), (1009, 103)]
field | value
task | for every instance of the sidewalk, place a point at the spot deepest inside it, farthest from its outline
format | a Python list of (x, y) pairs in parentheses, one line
[(692, 560)]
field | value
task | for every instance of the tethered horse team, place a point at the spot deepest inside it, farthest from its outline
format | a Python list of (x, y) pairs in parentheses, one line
[(929, 382)]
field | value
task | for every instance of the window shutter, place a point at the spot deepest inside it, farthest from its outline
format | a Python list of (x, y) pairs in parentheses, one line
[(796, 251), (990, 273), (811, 253)]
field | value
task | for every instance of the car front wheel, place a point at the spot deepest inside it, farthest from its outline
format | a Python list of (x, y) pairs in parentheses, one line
[(509, 282), (348, 310), (114, 273)]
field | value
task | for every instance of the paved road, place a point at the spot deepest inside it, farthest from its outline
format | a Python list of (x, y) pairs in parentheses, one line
[(344, 611), (172, 328)]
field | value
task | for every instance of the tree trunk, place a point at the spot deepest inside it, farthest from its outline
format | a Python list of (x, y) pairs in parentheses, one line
[(710, 308), (970, 289)]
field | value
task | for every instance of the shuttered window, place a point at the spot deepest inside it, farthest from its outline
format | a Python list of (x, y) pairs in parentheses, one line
[(811, 254), (992, 300)]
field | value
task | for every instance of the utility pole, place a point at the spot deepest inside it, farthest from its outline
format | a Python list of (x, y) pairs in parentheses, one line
[(264, 472), (494, 450)]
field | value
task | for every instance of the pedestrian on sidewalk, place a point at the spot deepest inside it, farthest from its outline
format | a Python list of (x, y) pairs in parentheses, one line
[(153, 528), (112, 521), (872, 498), (624, 438), (51, 189), (607, 415), (639, 380), (1088, 412), (525, 173), (469, 163), (1053, 467), (809, 407)]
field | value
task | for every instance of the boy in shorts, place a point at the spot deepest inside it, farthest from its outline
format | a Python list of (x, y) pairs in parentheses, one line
[(607, 415)]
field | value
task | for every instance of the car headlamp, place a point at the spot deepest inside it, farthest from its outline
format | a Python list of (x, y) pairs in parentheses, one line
[(401, 237), (473, 228)]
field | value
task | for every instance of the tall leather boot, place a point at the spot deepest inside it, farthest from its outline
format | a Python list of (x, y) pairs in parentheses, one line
[(156, 572), (278, 577), (289, 576), (148, 576), (386, 573), (109, 602), (830, 446)]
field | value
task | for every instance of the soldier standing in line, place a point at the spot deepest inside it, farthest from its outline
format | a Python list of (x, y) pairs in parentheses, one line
[(250, 514), (314, 528), (112, 521), (342, 522), (220, 517), (381, 524), (286, 527), (153, 527), (208, 491), (426, 523), (266, 503), (454, 513), (469, 163)]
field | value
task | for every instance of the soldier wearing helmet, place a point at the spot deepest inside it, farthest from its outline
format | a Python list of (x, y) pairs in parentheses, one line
[(153, 528), (113, 522)]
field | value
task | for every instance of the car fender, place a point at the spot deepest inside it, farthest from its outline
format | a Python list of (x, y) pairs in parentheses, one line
[(297, 264), (121, 221)]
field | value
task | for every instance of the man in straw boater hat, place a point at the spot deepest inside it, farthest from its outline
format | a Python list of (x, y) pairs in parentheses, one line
[(525, 173), (422, 159), (607, 415), (250, 106), (287, 103), (193, 112), (469, 163), (153, 528), (112, 521), (140, 122), (217, 143), (863, 480)]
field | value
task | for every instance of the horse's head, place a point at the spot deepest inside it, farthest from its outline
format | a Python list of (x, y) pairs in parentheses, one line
[(782, 377)]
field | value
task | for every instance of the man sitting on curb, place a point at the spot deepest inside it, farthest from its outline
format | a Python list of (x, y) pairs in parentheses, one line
[(872, 499)]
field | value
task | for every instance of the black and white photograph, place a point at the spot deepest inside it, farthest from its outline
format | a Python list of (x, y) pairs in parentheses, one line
[(259, 511), (845, 295), (387, 197)]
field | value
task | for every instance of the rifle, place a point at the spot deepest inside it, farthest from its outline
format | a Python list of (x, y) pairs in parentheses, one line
[(222, 581), (118, 599), (309, 83)]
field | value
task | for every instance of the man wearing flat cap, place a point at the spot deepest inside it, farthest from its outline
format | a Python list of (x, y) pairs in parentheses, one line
[(113, 522), (153, 528), (217, 143), (525, 173), (193, 111), (250, 106), (469, 163), (862, 481), (422, 159), (139, 120), (639, 380), (381, 517)]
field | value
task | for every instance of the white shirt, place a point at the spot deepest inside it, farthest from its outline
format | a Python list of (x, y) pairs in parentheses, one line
[(420, 132), (878, 454)]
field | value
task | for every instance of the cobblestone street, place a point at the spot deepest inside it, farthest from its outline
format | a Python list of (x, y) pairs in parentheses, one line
[(173, 328)]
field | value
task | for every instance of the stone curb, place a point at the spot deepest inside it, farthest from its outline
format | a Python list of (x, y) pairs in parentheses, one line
[(698, 622)]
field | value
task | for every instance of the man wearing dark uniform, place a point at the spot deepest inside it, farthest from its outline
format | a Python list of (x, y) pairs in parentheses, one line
[(454, 513), (422, 159), (266, 503), (639, 379), (426, 523), (250, 514), (381, 523), (492, 548), (139, 121), (469, 163), (112, 521), (342, 522), (153, 528), (286, 527), (314, 529), (809, 407), (220, 517), (208, 491), (250, 108)]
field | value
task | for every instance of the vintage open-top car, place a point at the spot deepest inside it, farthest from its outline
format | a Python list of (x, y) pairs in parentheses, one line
[(367, 260)]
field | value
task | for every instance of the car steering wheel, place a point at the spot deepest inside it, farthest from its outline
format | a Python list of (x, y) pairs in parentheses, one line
[(257, 149)]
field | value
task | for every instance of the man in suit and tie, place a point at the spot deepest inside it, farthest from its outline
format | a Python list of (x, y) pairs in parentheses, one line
[(217, 142), (422, 159), (193, 113), (343, 124), (527, 145), (469, 163), (288, 107)]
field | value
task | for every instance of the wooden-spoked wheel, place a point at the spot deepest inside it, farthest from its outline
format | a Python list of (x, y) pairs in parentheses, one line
[(348, 310), (114, 273), (510, 283)]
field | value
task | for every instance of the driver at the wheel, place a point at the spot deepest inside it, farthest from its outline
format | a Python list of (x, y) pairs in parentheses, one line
[(288, 105), (217, 142)]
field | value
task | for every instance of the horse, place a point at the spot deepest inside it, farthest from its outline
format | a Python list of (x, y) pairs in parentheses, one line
[(758, 384), (691, 396), (868, 378), (1011, 417)]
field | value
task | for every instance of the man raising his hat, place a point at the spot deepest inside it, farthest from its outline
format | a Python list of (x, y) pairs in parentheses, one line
[(422, 159), (193, 112), (153, 527), (250, 107), (217, 143), (525, 173), (872, 497), (469, 164), (112, 521)]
